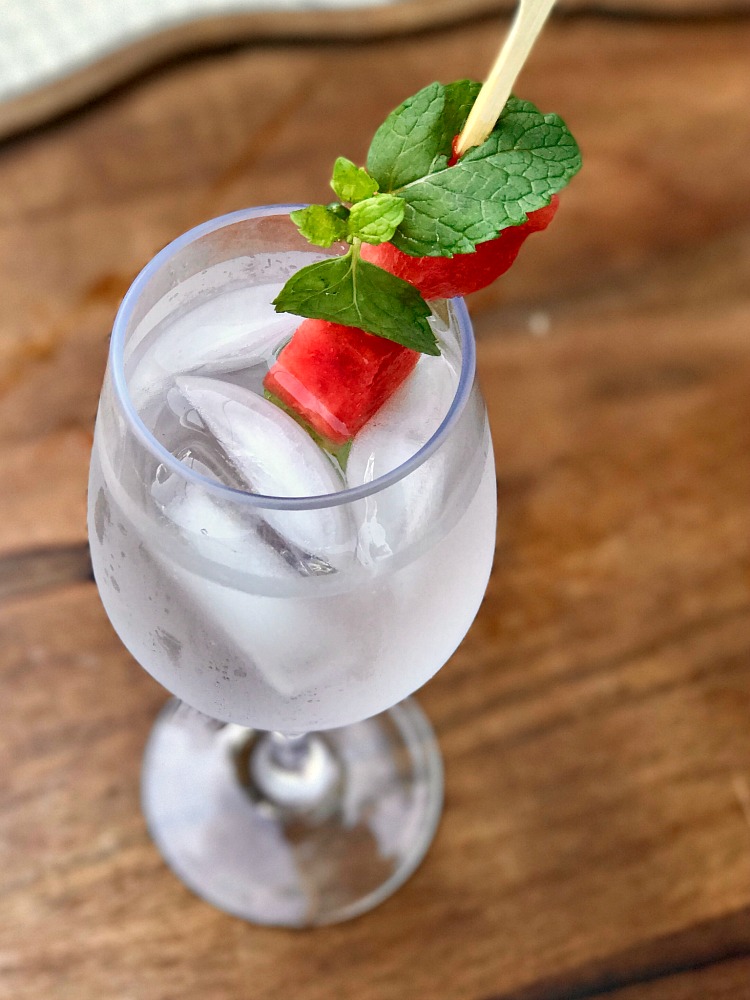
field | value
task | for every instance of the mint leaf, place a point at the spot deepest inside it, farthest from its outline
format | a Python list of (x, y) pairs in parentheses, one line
[(376, 219), (350, 182), (350, 291), (417, 137), (320, 224), (526, 159)]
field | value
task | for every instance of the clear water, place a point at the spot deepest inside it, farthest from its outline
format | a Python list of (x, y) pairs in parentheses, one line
[(273, 619)]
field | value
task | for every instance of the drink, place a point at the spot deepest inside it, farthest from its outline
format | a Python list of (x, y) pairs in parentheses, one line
[(323, 598), (244, 613), (292, 505)]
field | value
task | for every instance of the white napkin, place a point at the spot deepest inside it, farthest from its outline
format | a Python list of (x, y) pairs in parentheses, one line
[(45, 40)]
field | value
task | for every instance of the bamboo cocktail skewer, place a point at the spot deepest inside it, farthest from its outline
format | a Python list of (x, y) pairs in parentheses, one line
[(528, 22)]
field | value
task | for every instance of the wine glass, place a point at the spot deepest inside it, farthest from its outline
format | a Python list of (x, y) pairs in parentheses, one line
[(292, 781)]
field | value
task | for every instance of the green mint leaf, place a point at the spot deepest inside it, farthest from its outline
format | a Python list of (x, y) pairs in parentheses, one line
[(526, 159), (416, 139), (352, 183), (350, 291), (338, 209), (320, 224), (376, 219)]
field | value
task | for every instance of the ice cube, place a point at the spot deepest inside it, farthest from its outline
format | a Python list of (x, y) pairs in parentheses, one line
[(405, 423), (233, 331), (294, 642), (218, 534), (274, 456), (396, 432)]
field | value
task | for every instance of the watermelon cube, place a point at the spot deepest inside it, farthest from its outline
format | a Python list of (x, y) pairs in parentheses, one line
[(336, 377), (446, 277)]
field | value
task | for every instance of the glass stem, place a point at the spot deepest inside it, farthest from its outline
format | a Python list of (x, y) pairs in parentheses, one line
[(289, 750), (295, 771)]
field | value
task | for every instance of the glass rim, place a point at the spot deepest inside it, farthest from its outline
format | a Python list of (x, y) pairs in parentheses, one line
[(263, 501)]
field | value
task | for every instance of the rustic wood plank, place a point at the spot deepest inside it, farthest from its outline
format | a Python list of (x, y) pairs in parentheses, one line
[(594, 723), (726, 981), (700, 962), (33, 570)]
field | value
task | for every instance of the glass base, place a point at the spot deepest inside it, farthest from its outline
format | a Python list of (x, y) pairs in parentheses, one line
[(301, 865)]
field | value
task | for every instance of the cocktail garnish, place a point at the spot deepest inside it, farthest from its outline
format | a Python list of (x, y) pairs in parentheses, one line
[(411, 196), (336, 377)]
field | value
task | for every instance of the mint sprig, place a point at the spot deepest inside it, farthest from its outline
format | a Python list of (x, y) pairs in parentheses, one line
[(320, 224), (527, 158), (373, 220), (353, 292), (376, 219), (352, 183), (409, 195)]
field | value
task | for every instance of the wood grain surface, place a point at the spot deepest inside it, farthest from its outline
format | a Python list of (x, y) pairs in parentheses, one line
[(596, 721)]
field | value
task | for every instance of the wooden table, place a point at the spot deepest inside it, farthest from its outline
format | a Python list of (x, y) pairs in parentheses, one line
[(596, 721)]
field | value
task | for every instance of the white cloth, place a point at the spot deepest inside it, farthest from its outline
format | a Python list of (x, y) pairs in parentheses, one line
[(45, 40)]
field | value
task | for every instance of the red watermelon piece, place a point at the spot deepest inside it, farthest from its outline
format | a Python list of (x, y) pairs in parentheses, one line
[(336, 377), (446, 277)]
